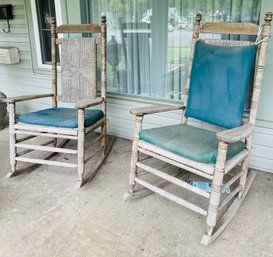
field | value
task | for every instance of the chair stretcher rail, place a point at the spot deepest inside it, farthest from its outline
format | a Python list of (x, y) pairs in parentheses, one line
[(39, 161), (46, 148), (173, 180), (42, 134), (171, 197)]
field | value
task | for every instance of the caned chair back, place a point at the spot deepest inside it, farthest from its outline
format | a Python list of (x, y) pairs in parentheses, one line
[(78, 62)]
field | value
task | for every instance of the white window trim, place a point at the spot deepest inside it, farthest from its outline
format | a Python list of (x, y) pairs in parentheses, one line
[(41, 65)]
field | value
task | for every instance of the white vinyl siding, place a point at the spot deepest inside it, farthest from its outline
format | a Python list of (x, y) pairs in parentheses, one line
[(22, 79)]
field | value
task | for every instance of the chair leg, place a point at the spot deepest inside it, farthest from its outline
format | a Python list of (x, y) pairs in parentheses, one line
[(104, 138), (216, 188), (134, 159), (81, 156), (135, 154), (55, 142), (230, 212), (133, 167), (81, 150), (12, 139), (243, 178)]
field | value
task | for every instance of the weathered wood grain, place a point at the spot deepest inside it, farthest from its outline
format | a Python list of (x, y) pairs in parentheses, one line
[(235, 134), (155, 109), (24, 98), (79, 28), (230, 28), (89, 103)]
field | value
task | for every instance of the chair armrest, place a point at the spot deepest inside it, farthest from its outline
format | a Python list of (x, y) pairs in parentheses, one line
[(155, 109), (89, 103), (235, 134), (24, 98)]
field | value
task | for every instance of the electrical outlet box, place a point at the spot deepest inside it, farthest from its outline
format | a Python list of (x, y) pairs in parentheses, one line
[(9, 55)]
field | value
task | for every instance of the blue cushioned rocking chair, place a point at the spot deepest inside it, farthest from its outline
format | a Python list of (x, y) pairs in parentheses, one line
[(221, 73), (79, 83)]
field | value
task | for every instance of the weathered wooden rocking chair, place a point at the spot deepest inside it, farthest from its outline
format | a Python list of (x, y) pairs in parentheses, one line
[(220, 74), (79, 83)]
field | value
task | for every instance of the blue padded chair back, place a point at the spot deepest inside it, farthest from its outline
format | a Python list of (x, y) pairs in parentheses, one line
[(220, 79)]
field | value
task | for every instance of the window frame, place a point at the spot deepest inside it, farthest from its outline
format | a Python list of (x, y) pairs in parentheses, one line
[(36, 27)]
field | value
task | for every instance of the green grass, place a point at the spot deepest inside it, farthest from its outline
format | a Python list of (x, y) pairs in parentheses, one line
[(177, 53)]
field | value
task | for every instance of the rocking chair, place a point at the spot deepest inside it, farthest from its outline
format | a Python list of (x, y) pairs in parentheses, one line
[(79, 85), (220, 74)]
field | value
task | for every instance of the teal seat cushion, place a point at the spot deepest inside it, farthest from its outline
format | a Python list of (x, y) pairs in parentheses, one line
[(60, 117), (190, 142)]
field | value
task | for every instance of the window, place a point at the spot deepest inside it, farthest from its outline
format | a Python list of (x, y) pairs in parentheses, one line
[(149, 40), (42, 11), (45, 10)]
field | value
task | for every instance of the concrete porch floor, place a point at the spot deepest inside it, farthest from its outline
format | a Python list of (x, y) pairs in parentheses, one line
[(44, 214)]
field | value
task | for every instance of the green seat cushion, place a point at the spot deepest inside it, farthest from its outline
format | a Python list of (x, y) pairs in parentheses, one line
[(60, 117), (190, 142)]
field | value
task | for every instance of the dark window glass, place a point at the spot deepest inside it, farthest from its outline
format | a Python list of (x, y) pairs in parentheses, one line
[(45, 10)]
